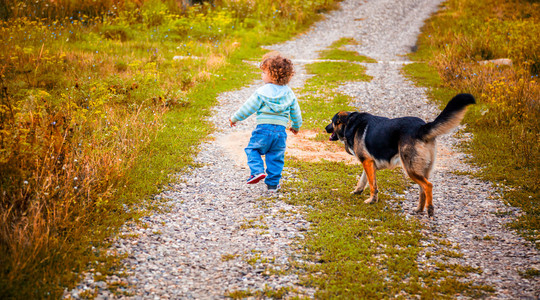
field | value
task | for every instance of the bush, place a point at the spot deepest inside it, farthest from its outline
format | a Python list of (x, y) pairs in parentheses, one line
[(116, 32), (60, 9)]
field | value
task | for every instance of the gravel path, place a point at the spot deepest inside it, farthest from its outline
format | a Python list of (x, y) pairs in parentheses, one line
[(220, 236)]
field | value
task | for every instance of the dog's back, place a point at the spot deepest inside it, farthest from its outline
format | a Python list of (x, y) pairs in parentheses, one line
[(384, 135)]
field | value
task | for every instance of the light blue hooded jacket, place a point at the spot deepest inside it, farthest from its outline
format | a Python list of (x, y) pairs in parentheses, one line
[(274, 104)]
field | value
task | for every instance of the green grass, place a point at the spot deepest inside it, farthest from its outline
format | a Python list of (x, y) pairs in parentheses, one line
[(365, 251), (335, 52), (331, 74), (318, 101), (174, 146), (530, 273), (424, 75), (317, 111)]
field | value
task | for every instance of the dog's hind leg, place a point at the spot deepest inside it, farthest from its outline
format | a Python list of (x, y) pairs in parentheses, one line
[(426, 193), (421, 201), (369, 170), (361, 185), (429, 199)]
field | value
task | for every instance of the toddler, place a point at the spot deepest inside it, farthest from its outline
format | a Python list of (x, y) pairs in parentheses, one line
[(274, 103)]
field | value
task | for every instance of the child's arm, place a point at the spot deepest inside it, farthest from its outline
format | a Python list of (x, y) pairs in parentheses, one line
[(250, 107), (296, 117)]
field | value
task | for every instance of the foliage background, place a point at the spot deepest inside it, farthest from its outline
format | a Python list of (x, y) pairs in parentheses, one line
[(95, 112)]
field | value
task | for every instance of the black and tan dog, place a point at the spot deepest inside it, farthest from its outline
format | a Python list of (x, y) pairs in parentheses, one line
[(381, 143)]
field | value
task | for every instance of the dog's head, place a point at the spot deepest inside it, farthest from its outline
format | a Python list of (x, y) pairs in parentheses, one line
[(337, 126)]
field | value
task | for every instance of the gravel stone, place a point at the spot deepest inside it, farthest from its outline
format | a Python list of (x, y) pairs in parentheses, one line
[(219, 235)]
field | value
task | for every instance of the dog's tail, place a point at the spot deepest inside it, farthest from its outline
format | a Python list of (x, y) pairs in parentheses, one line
[(449, 118)]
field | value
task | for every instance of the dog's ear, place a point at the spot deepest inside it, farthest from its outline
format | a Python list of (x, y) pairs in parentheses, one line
[(341, 117), (352, 124)]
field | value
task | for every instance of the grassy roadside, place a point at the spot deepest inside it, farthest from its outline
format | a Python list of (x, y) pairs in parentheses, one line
[(454, 53), (354, 250), (95, 114)]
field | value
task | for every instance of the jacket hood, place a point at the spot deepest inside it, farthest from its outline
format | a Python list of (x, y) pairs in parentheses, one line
[(273, 96)]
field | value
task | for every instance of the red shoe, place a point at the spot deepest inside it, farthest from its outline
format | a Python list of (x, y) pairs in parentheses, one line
[(255, 178)]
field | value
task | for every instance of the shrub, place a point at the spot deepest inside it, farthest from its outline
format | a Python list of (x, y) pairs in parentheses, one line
[(116, 32), (60, 9)]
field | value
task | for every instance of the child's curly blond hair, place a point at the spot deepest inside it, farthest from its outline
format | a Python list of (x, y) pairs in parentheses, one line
[(279, 68)]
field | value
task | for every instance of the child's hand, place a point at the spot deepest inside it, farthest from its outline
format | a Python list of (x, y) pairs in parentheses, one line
[(232, 123), (294, 131)]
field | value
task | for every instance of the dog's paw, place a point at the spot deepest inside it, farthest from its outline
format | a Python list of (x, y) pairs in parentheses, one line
[(356, 192), (371, 200), (419, 211), (430, 211)]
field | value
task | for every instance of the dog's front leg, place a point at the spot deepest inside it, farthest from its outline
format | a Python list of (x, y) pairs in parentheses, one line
[(361, 185), (369, 170)]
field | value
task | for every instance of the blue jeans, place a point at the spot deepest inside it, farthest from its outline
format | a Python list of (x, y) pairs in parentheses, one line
[(269, 140)]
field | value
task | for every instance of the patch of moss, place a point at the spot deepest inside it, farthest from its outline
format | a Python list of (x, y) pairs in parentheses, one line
[(336, 52)]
